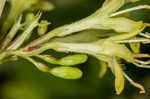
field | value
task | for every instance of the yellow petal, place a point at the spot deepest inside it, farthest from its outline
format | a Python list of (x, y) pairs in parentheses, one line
[(110, 6), (103, 69), (119, 78), (111, 48)]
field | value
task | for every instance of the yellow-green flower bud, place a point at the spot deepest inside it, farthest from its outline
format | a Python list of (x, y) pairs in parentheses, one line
[(43, 27), (73, 59), (66, 72)]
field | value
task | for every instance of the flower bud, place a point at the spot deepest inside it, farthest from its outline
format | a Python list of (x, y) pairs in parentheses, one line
[(73, 59), (66, 72), (43, 27)]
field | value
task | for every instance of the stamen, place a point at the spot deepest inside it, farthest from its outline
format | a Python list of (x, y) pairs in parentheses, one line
[(134, 41), (141, 55), (147, 24), (130, 9), (145, 35), (142, 62), (137, 85), (141, 65)]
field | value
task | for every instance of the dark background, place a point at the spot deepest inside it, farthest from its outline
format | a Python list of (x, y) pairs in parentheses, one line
[(21, 80)]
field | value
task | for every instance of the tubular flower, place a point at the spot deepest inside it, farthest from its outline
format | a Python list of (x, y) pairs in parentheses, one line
[(107, 51), (104, 19)]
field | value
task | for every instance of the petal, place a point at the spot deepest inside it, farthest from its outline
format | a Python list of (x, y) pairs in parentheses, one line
[(103, 69), (119, 78), (110, 6), (109, 47)]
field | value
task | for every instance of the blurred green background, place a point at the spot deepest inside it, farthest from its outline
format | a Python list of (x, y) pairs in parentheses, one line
[(21, 80)]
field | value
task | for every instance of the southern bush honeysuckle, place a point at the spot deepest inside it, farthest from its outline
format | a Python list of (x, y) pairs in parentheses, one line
[(109, 50)]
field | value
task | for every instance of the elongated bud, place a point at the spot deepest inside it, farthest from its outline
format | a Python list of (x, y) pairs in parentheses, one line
[(43, 27), (66, 61), (28, 19), (73, 60), (103, 69), (66, 72)]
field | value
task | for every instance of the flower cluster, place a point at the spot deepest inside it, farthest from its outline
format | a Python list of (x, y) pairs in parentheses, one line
[(110, 48)]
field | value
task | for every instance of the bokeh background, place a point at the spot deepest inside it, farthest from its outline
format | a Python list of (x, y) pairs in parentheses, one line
[(21, 80)]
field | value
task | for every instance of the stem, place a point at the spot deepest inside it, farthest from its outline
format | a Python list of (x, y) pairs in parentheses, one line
[(2, 4), (25, 52), (8, 23), (42, 67), (12, 33)]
